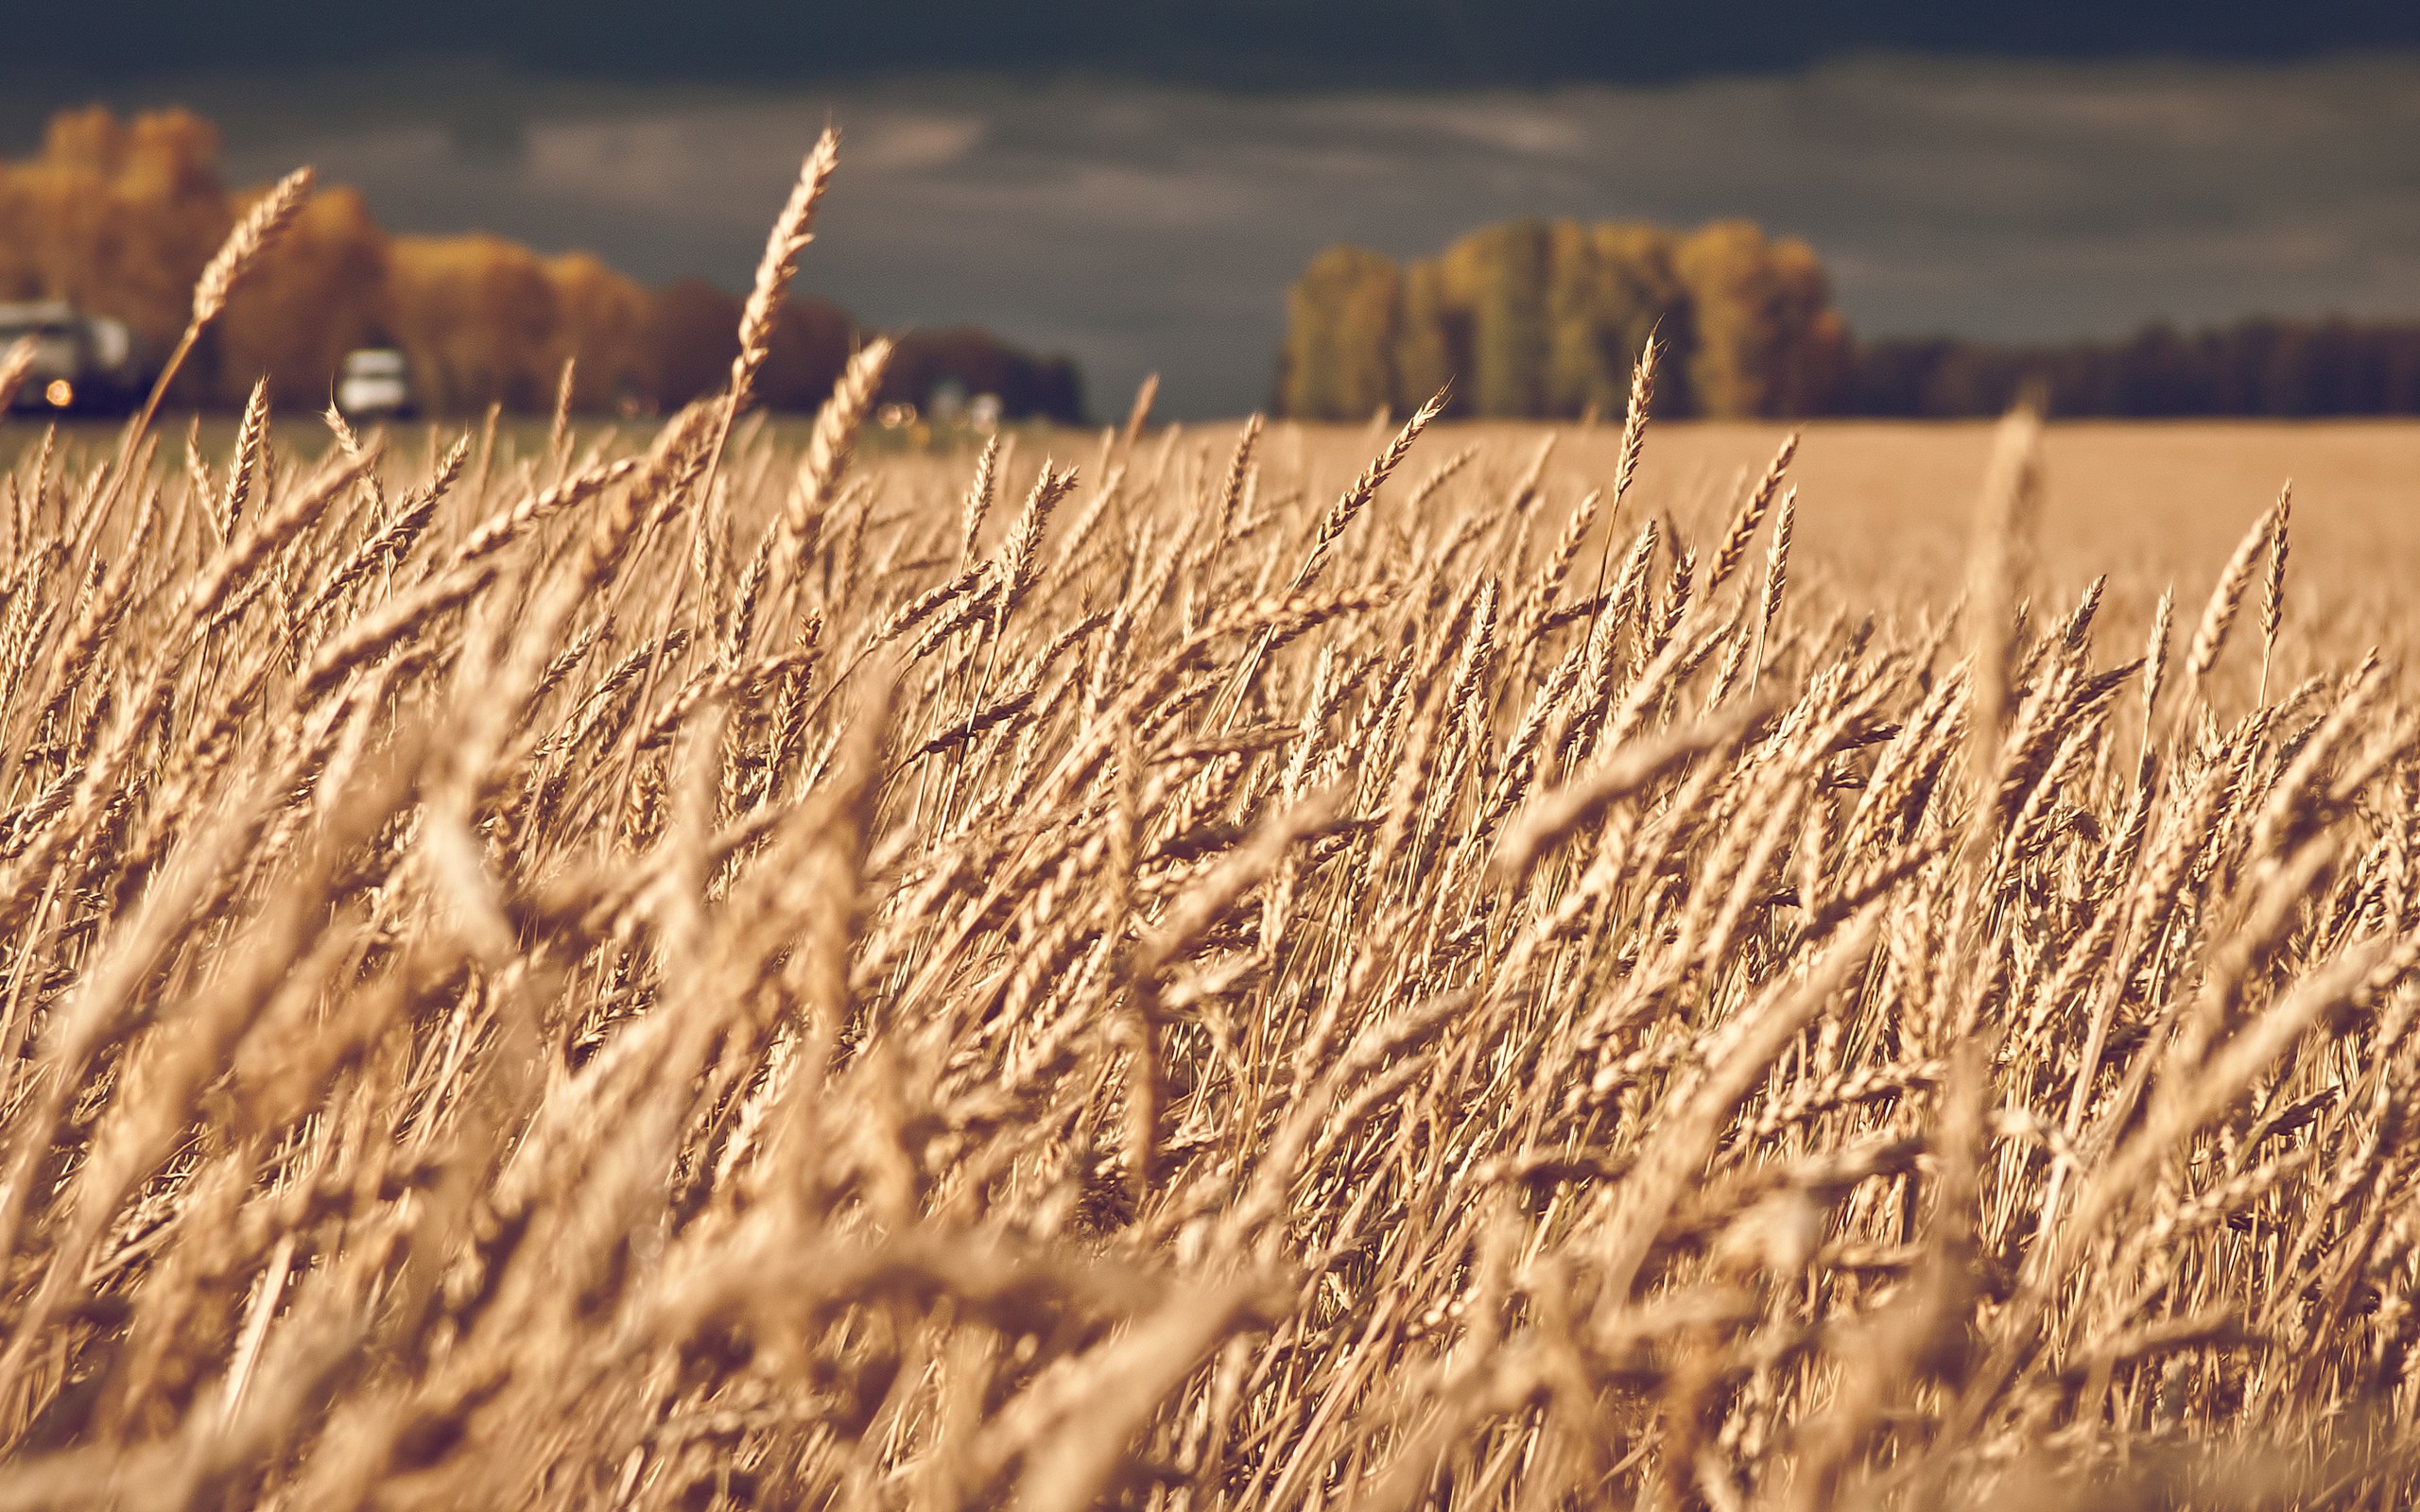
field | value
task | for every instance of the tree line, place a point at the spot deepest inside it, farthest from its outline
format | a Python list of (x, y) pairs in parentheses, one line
[(2253, 367), (1546, 319), (119, 217)]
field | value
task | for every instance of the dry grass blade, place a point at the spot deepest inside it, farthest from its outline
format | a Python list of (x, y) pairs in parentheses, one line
[(1139, 414)]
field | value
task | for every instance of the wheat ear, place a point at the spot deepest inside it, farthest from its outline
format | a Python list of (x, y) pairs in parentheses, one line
[(2272, 604), (792, 229), (834, 438), (1776, 581), (2218, 617), (236, 257)]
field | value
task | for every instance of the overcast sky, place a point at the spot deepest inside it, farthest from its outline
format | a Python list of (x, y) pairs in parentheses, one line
[(1142, 226)]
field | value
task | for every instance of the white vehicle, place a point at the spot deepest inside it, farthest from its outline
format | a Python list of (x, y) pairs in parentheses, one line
[(374, 384), (82, 364)]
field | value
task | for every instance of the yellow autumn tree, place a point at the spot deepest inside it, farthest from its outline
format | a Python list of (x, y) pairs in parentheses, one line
[(1432, 338), (1766, 339), (601, 321), (1537, 318), (1608, 288), (1497, 276), (118, 217), (1341, 326), (320, 291), (813, 340), (476, 315), (1810, 372)]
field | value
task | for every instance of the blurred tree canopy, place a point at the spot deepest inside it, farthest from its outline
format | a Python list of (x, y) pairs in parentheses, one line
[(1547, 319), (119, 218), (2256, 367)]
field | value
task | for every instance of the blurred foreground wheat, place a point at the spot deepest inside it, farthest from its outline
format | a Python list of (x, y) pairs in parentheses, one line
[(683, 974)]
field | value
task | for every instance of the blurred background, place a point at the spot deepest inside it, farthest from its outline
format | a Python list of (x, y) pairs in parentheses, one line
[(2156, 208)]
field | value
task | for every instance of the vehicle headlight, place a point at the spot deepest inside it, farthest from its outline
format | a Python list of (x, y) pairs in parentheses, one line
[(60, 393)]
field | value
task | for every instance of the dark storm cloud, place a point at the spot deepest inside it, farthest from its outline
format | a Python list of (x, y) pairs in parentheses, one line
[(1298, 43), (1144, 226)]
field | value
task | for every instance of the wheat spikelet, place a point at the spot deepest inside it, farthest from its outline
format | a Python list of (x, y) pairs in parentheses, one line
[(1440, 475), (2273, 601), (559, 428), (793, 229), (399, 617), (2078, 629), (1631, 582), (835, 435), (1995, 574), (1634, 431), (252, 437), (1231, 492), (1776, 580), (404, 522), (253, 235), (2217, 615), (1734, 546), (1014, 570), (1566, 548), (1355, 499), (2155, 653), (1525, 488), (980, 495), (500, 530), (1642, 395)]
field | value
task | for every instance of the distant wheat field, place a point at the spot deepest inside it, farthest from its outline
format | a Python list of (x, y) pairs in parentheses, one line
[(1888, 505)]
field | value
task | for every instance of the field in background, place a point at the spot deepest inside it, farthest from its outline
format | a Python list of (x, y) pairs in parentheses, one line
[(1884, 505), (1890, 504)]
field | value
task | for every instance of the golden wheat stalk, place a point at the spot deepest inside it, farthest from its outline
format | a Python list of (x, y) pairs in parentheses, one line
[(793, 229), (2226, 596), (830, 444), (2273, 602), (1642, 394), (236, 258), (1776, 581)]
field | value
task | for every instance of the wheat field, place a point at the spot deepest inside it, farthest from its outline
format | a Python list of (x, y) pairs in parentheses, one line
[(675, 970)]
